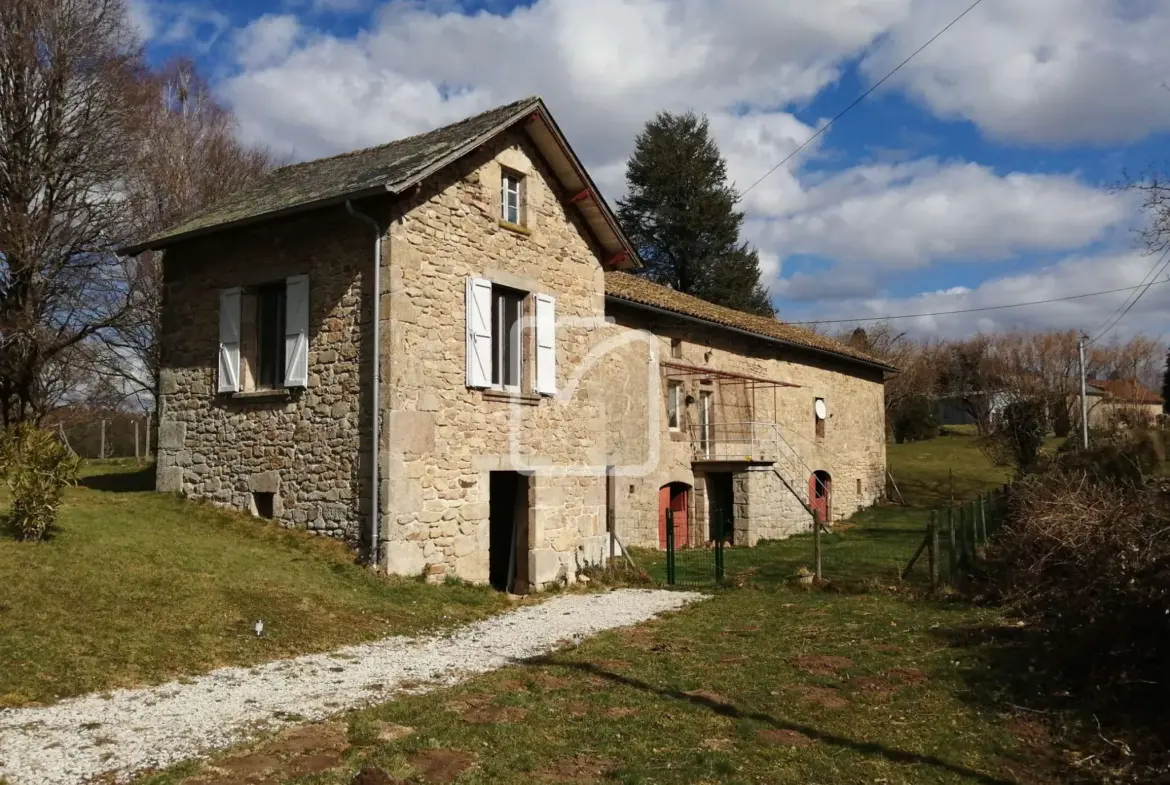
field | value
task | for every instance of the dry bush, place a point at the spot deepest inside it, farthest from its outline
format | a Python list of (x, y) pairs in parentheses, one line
[(1084, 559)]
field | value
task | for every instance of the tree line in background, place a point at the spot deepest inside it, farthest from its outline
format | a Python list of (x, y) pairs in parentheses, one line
[(982, 374), (97, 148)]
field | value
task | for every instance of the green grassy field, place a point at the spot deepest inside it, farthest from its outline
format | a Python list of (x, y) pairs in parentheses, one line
[(764, 684), (138, 587)]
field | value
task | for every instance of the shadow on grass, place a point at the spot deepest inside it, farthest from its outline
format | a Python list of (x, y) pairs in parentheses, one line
[(135, 481), (728, 710)]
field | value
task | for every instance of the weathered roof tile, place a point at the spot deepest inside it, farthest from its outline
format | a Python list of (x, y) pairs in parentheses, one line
[(636, 289)]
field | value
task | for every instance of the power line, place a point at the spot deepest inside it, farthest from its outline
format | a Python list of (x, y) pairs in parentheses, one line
[(1153, 280), (986, 307), (860, 98)]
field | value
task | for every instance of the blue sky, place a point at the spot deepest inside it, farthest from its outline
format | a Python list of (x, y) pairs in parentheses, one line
[(977, 176)]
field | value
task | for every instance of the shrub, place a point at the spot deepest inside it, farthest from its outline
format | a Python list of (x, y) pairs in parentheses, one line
[(913, 420), (1017, 435), (36, 467), (1087, 565)]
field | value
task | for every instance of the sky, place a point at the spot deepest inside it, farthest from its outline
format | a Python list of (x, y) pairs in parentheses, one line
[(980, 174)]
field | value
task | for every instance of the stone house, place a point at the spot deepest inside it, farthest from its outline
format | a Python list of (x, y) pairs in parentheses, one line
[(461, 294), (1121, 401)]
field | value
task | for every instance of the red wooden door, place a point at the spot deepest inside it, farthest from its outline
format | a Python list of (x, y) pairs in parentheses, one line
[(678, 504), (818, 494), (673, 498)]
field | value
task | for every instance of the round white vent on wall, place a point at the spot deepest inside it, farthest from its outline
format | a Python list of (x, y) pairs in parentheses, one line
[(820, 409)]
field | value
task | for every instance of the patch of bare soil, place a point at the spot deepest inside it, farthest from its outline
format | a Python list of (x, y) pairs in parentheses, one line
[(708, 696), (512, 685), (248, 765), (907, 676), (784, 738), (716, 744), (314, 763), (440, 766), (821, 664), (874, 686), (580, 769), (577, 708), (750, 630), (372, 775), (481, 711), (548, 681), (617, 712), (732, 659), (890, 648), (306, 738), (826, 697)]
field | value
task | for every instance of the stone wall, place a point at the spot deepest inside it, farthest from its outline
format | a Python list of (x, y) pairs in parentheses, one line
[(443, 439), (305, 448), (852, 450)]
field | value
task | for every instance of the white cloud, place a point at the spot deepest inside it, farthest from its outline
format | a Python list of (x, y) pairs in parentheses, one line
[(905, 216), (268, 40), (1075, 275), (1040, 71), (141, 18)]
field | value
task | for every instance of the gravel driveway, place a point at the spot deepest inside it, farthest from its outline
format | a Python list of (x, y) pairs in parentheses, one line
[(131, 730)]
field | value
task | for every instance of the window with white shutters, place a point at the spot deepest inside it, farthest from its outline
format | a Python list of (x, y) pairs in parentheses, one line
[(296, 331), (479, 332), (229, 339), (546, 344)]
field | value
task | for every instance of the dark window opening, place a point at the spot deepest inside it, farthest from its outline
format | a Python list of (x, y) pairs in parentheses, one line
[(819, 415), (507, 306), (676, 348), (265, 504), (270, 301), (858, 486)]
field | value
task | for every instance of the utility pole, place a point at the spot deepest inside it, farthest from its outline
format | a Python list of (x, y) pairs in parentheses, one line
[(1084, 400)]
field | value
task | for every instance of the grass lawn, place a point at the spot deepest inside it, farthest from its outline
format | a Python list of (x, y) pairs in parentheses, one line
[(764, 684), (138, 587)]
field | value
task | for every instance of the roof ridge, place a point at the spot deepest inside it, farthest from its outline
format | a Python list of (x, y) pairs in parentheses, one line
[(532, 99)]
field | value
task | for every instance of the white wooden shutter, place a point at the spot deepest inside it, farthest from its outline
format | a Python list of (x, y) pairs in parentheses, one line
[(479, 332), (296, 331), (229, 339), (546, 344)]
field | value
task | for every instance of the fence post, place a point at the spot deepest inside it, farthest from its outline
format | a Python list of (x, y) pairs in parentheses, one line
[(817, 542), (147, 450), (952, 554), (719, 567), (932, 550), (137, 455), (670, 546), (982, 521), (102, 452)]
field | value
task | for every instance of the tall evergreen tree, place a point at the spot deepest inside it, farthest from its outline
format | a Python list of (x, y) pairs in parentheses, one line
[(1166, 386), (679, 211)]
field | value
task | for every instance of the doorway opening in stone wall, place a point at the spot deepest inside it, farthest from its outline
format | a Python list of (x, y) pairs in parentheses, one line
[(720, 506), (508, 535), (820, 494)]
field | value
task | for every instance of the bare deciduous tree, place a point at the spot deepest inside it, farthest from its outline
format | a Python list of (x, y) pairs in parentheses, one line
[(67, 75), (189, 159)]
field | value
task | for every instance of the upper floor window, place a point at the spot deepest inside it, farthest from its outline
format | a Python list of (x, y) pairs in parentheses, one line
[(511, 198), (676, 348), (507, 348), (498, 338), (820, 414), (674, 390), (262, 341)]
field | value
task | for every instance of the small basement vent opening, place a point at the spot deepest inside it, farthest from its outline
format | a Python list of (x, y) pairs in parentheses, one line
[(264, 503)]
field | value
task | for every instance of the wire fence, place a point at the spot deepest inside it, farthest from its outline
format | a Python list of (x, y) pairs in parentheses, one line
[(108, 435), (956, 533)]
